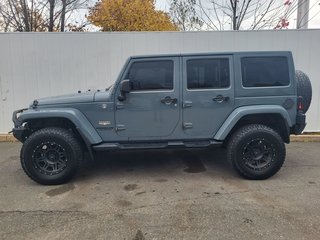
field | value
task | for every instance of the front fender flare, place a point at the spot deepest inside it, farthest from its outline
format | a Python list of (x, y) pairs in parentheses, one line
[(240, 112), (82, 124)]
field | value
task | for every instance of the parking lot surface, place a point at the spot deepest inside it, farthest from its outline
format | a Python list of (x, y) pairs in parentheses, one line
[(163, 195)]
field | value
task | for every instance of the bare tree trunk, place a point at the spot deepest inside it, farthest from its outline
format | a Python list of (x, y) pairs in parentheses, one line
[(14, 17), (25, 15), (233, 4), (63, 15), (31, 16), (51, 13)]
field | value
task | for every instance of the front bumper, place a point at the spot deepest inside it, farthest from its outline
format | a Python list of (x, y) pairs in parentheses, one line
[(18, 131)]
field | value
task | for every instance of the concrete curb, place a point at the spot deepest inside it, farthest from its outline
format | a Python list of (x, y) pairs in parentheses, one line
[(305, 138), (7, 138), (293, 138)]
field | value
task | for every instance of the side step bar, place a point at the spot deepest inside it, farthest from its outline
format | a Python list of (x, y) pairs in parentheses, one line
[(156, 145)]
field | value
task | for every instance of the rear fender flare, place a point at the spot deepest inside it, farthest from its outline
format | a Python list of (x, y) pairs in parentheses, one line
[(240, 112)]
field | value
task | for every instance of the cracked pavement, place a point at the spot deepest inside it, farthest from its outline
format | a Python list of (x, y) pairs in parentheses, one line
[(144, 195)]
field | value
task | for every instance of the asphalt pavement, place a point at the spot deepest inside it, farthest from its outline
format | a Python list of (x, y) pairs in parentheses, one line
[(163, 195)]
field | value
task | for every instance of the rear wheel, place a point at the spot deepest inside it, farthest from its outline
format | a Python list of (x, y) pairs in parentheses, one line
[(256, 151), (51, 156)]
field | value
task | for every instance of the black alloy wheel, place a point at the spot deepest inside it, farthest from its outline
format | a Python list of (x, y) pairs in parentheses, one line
[(258, 154), (50, 158)]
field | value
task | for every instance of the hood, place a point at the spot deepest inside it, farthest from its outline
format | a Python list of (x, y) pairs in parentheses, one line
[(65, 99)]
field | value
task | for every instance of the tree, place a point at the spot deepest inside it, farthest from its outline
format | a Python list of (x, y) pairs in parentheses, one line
[(16, 15), (37, 15), (244, 14), (129, 15), (184, 15)]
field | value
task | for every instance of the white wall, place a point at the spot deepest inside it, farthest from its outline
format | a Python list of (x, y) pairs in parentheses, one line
[(34, 65)]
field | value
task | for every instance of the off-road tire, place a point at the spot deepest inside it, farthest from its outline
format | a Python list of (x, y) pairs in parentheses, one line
[(266, 140), (304, 89), (63, 140)]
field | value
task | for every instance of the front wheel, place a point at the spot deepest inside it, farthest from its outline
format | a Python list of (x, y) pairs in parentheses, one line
[(51, 156), (256, 151)]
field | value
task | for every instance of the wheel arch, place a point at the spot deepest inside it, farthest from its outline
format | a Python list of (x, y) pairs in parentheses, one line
[(35, 124), (275, 117), (73, 119), (55, 116)]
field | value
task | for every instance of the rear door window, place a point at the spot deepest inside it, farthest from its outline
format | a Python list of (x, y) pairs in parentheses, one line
[(208, 73)]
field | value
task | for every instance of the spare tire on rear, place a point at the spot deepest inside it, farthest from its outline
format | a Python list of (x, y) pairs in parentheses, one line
[(304, 89)]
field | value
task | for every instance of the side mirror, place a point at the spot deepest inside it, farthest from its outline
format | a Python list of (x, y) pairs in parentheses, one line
[(125, 88)]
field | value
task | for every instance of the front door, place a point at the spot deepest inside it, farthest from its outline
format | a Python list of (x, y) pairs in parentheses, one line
[(208, 94), (151, 109)]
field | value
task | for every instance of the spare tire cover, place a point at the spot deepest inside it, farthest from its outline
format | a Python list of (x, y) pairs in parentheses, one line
[(304, 89)]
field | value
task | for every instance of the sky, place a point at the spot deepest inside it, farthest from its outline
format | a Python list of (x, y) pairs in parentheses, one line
[(314, 14)]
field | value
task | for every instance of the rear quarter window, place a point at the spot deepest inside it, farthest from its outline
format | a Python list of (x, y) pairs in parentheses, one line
[(265, 71)]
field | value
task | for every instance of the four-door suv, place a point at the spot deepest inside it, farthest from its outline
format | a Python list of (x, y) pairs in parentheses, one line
[(249, 102)]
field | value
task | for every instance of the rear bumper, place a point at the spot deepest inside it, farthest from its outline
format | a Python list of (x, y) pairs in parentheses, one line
[(300, 124)]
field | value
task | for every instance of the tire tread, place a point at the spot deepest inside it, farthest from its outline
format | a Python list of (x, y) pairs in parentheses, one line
[(245, 131), (52, 131)]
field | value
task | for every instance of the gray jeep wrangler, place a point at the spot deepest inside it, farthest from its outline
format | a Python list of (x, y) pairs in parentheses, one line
[(249, 102)]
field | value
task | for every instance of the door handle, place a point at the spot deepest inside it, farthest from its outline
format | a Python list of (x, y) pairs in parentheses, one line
[(168, 100), (220, 99)]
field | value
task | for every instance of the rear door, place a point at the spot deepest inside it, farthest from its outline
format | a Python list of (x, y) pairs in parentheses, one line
[(208, 94)]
